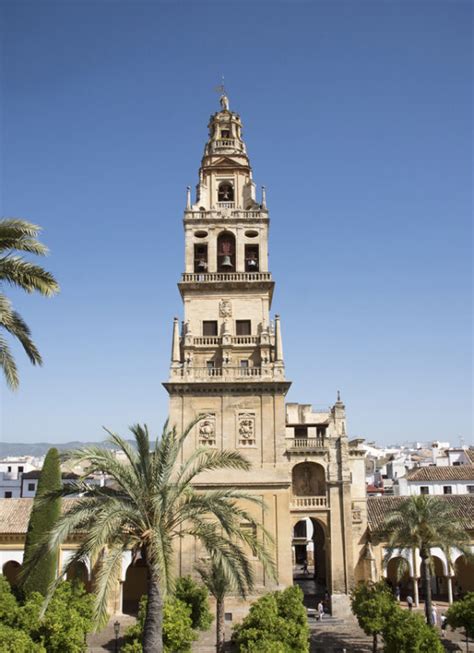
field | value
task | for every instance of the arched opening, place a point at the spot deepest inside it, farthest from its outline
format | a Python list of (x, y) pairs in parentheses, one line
[(439, 583), (310, 570), (226, 252), (463, 577), (78, 572), (398, 576), (309, 480), (10, 570), (225, 192), (134, 586)]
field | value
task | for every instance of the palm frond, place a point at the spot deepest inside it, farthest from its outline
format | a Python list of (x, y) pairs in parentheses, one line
[(27, 276), (8, 365)]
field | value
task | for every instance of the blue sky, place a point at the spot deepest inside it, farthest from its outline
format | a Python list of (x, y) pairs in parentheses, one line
[(357, 118)]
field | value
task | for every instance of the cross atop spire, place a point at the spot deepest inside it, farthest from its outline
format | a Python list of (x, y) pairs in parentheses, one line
[(224, 100)]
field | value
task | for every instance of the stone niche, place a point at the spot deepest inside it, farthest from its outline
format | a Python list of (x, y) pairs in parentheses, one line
[(308, 480)]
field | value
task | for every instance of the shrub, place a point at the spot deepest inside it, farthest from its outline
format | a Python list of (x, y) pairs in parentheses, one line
[(42, 518), (17, 641), (406, 632), (276, 623), (196, 597), (373, 604), (461, 615)]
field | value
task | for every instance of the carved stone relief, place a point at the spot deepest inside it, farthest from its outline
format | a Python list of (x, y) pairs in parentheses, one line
[(246, 429), (225, 308), (207, 430)]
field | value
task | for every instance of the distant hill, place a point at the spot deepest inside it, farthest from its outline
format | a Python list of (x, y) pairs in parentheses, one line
[(40, 448)]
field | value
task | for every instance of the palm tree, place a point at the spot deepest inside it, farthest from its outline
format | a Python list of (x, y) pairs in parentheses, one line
[(151, 504), (220, 580), (20, 235), (423, 522)]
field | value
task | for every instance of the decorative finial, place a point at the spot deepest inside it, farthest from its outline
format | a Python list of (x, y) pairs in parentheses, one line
[(224, 100), (188, 197), (339, 395), (264, 197)]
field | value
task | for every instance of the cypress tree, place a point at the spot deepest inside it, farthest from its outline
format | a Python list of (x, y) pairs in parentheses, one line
[(42, 519)]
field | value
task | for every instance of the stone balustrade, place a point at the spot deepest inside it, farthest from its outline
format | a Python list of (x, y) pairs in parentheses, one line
[(306, 444), (309, 503), (227, 373), (193, 277)]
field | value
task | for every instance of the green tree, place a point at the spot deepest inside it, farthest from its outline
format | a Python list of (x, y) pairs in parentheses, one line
[(197, 598), (20, 236), (276, 622), (17, 641), (424, 522), (44, 515), (405, 632), (373, 605), (461, 615), (153, 503)]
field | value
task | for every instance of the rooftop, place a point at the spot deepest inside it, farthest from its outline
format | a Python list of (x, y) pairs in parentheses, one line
[(379, 507), (432, 473), (15, 514)]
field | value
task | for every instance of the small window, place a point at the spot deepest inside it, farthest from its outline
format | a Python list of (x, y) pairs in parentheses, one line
[(470, 489), (456, 463), (244, 364), (20, 469), (200, 258), (8, 495), (447, 489), (225, 133), (210, 365), (9, 468), (243, 327), (225, 192), (31, 487), (424, 489), (228, 616), (209, 328)]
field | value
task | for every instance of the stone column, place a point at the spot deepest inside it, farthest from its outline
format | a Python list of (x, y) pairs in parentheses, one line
[(416, 596), (449, 581)]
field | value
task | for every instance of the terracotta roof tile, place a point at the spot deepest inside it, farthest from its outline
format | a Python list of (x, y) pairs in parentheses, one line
[(462, 505), (432, 473), (15, 514)]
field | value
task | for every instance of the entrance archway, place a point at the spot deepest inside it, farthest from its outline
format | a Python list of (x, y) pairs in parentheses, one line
[(398, 575), (10, 570), (78, 572), (439, 583), (309, 546), (134, 586), (463, 577)]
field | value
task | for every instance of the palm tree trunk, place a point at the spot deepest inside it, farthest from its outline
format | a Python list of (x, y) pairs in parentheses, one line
[(220, 626), (153, 626), (425, 565)]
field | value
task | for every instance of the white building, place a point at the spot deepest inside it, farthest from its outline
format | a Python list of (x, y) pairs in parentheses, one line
[(436, 480), (11, 473)]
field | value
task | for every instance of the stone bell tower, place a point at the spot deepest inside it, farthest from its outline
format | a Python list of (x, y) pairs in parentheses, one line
[(226, 356)]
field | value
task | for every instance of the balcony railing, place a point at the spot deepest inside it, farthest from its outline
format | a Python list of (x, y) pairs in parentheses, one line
[(308, 503), (216, 341), (306, 444), (239, 214), (207, 340), (224, 142), (226, 205), (192, 277), (230, 373)]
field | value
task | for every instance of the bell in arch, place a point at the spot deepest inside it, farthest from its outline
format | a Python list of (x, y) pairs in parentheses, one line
[(226, 262)]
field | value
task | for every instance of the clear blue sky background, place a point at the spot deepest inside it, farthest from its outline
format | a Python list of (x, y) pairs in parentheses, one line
[(358, 119)]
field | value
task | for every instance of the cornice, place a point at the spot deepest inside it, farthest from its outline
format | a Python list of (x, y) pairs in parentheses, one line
[(228, 387)]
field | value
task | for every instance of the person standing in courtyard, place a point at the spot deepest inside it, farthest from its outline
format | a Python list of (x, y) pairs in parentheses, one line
[(410, 602), (434, 615), (320, 610)]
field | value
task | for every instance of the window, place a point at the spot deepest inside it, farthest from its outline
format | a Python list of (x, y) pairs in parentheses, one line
[(200, 258), (20, 469), (225, 133), (8, 495), (456, 463), (226, 252), (9, 468), (251, 258), (447, 489), (225, 192), (209, 328), (424, 489), (243, 327), (244, 364), (210, 365), (301, 432), (31, 487), (470, 489)]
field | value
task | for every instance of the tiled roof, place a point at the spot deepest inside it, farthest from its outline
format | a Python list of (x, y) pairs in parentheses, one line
[(462, 505), (432, 473), (15, 514), (35, 473), (470, 454)]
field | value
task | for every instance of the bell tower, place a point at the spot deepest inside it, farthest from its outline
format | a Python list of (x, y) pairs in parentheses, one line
[(226, 357)]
